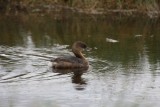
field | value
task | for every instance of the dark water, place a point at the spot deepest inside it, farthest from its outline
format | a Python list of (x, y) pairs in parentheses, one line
[(124, 61)]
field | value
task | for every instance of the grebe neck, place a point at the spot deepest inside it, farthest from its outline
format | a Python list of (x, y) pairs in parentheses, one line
[(79, 55)]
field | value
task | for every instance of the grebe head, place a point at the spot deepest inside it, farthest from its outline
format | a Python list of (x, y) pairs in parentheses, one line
[(78, 47)]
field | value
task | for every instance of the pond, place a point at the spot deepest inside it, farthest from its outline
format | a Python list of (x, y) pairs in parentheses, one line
[(124, 61)]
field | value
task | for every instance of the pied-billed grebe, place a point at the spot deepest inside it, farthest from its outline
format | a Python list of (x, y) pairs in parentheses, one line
[(77, 61)]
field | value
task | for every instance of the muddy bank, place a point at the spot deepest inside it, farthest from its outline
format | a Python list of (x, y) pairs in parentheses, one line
[(93, 7)]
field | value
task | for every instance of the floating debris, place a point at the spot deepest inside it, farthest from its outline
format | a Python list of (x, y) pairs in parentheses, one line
[(95, 48), (152, 36), (111, 40), (138, 35)]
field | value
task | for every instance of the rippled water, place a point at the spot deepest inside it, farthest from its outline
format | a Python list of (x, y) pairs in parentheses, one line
[(124, 62)]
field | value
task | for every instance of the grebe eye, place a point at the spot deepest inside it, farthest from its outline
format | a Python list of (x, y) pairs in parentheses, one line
[(83, 46)]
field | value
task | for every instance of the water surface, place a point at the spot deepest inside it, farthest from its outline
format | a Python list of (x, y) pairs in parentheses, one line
[(124, 61)]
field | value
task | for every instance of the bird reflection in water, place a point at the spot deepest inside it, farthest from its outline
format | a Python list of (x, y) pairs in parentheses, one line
[(76, 76)]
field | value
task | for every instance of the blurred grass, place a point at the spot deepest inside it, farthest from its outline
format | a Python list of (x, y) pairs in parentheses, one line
[(89, 6)]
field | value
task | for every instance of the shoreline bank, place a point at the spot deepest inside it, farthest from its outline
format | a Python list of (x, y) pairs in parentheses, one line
[(150, 10)]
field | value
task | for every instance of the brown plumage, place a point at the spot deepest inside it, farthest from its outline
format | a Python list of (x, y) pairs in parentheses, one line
[(77, 61)]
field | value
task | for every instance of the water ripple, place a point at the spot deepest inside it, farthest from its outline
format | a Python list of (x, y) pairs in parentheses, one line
[(30, 64)]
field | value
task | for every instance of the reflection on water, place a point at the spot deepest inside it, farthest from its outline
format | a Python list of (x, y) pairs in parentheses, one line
[(124, 61), (76, 76)]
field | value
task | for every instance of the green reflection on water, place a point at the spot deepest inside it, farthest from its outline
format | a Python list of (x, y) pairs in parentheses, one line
[(137, 36)]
